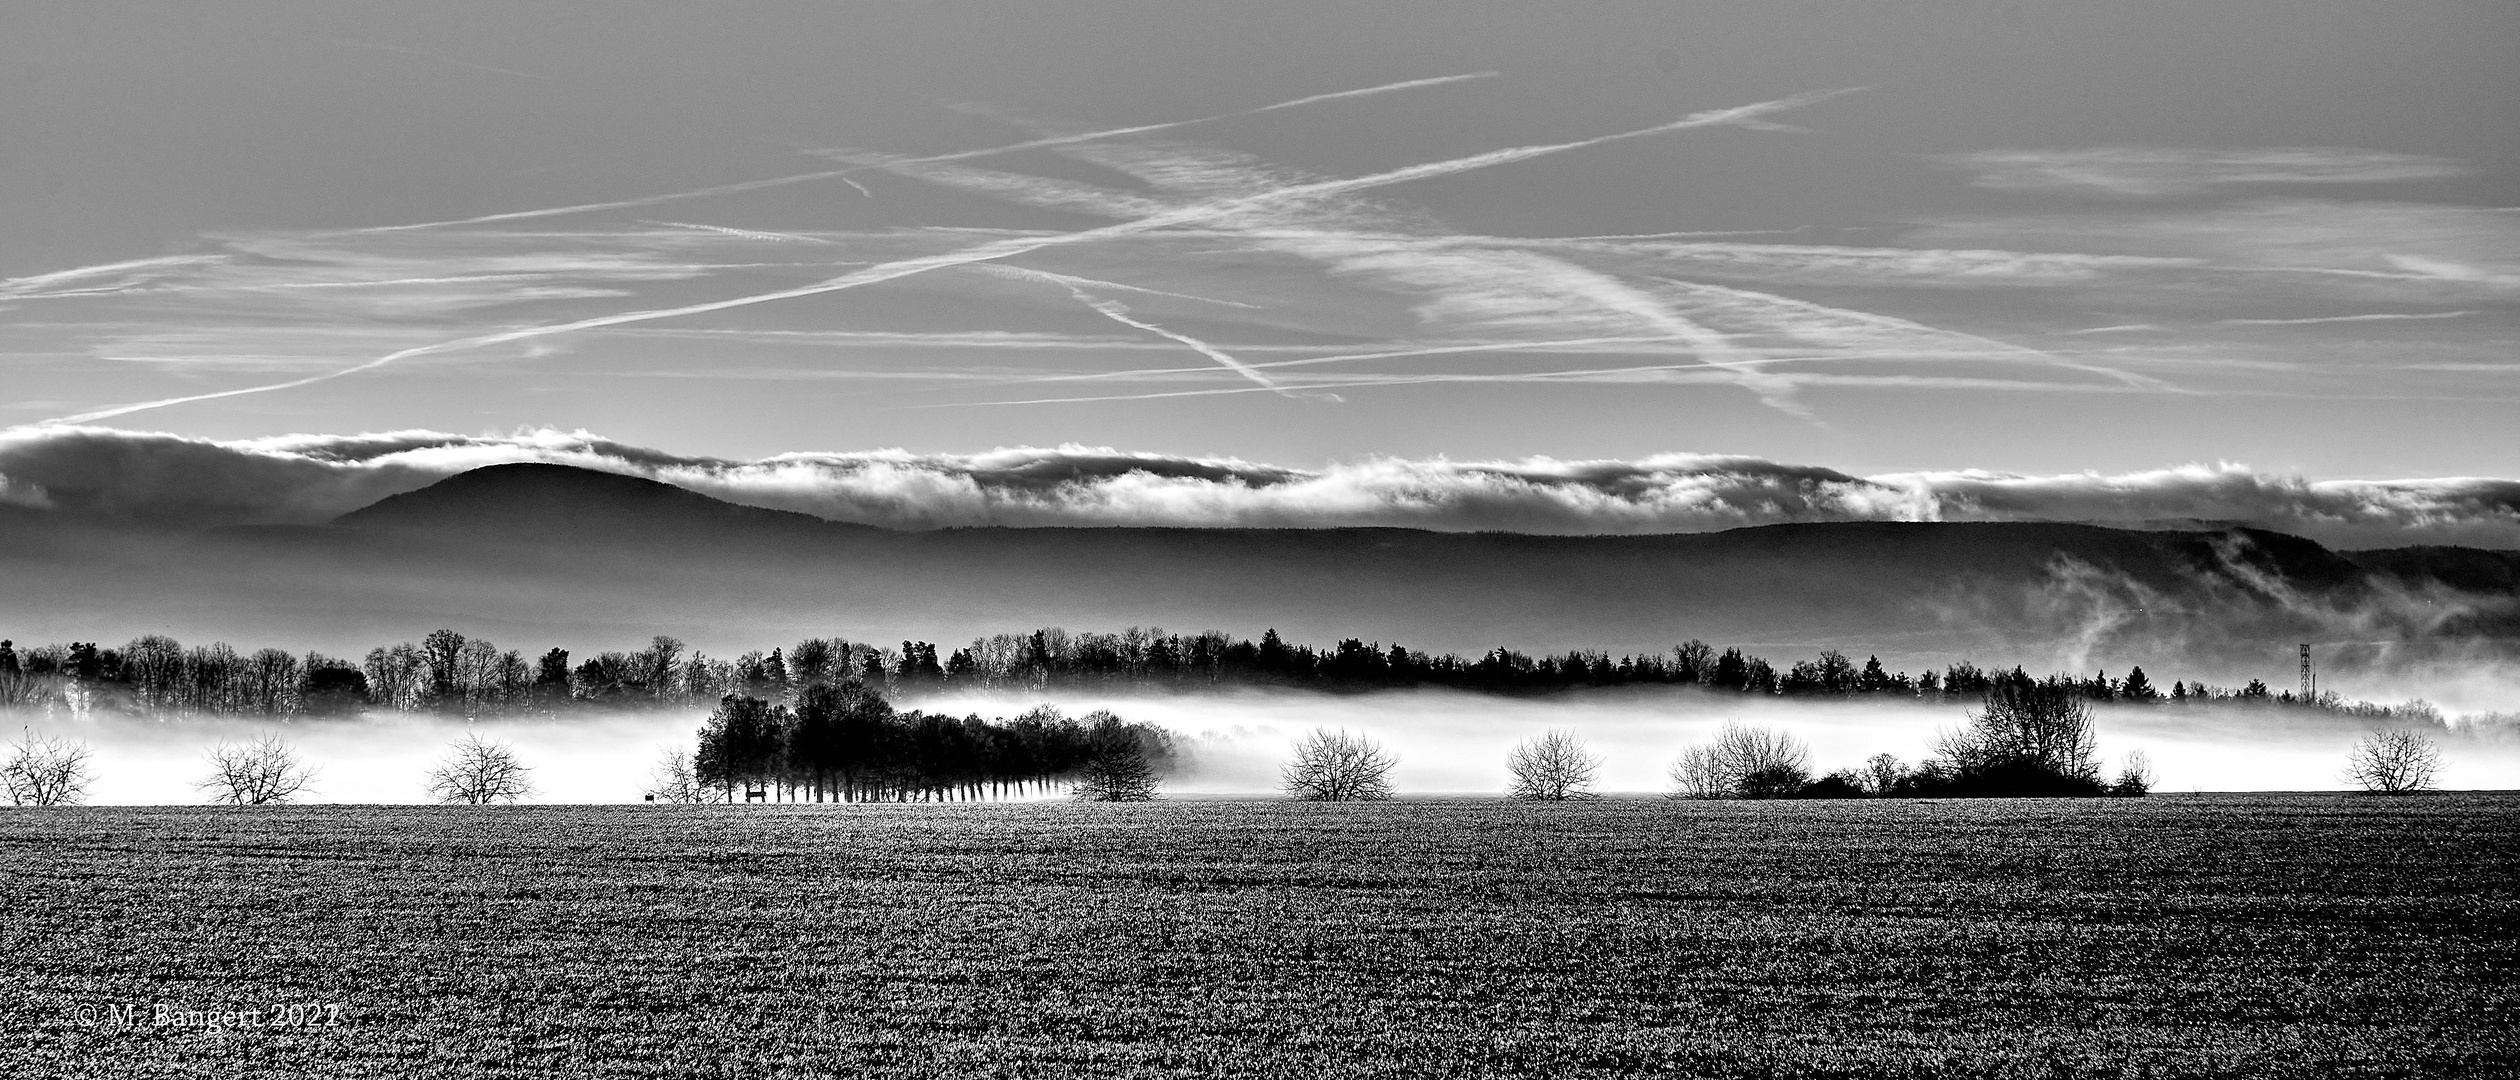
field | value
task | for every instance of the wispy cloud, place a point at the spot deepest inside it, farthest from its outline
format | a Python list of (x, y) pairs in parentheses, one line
[(2153, 171), (311, 478)]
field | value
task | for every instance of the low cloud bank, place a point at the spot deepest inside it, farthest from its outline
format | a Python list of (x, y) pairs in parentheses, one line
[(313, 478)]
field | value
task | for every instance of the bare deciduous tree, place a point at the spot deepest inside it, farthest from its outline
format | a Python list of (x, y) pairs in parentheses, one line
[(1882, 773), (674, 780), (478, 772), (1742, 762), (1334, 766), (2135, 777), (2394, 762), (1700, 774), (38, 770), (1553, 766), (257, 773)]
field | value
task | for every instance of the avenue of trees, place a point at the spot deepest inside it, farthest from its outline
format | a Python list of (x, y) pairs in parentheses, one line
[(447, 673)]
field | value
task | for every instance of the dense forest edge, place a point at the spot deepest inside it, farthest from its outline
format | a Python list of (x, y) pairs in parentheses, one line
[(816, 721), (448, 673)]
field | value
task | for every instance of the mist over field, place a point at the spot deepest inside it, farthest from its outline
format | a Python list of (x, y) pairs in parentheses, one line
[(1232, 744)]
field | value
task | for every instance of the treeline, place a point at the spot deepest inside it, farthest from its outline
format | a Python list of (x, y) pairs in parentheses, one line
[(846, 743), (447, 672)]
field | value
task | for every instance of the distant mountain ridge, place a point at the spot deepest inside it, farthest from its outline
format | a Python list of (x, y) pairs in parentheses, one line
[(555, 553), (544, 496)]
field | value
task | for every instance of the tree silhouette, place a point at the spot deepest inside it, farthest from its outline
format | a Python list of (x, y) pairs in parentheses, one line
[(2138, 689), (1553, 766), (2393, 763), (1334, 766), (258, 773), (1742, 762), (2135, 778), (2029, 738), (1116, 768), (675, 780), (479, 772), (38, 770)]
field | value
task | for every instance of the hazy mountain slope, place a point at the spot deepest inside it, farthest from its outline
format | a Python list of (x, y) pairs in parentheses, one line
[(538, 553)]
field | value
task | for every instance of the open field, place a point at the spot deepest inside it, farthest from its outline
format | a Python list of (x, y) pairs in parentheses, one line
[(2180, 936)]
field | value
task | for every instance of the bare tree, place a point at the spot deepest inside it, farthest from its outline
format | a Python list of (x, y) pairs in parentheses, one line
[(257, 773), (38, 770), (1554, 766), (2135, 777), (478, 772), (1334, 766), (1882, 773), (2394, 763), (674, 780), (1743, 762), (1700, 774)]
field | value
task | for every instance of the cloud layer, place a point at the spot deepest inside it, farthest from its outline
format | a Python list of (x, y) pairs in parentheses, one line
[(312, 478)]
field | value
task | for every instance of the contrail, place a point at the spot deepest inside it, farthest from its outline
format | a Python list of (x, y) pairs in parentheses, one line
[(2381, 317), (1072, 281), (1669, 372), (1410, 85), (993, 251), (1387, 354), (747, 234), (843, 173), (1119, 313), (16, 285)]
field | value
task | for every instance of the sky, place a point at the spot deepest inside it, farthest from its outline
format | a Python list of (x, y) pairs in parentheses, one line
[(2140, 248)]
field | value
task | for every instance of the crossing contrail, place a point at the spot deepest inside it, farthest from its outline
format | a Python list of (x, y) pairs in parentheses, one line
[(960, 155), (1001, 249)]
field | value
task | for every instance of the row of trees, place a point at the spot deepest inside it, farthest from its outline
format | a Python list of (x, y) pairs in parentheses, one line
[(447, 672), (2026, 747), (2014, 748), (40, 770)]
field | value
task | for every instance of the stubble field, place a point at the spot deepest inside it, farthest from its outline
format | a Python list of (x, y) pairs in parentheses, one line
[(2179, 936)]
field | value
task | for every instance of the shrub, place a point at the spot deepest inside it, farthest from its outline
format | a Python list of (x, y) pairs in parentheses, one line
[(2135, 779), (1842, 784), (2029, 739)]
